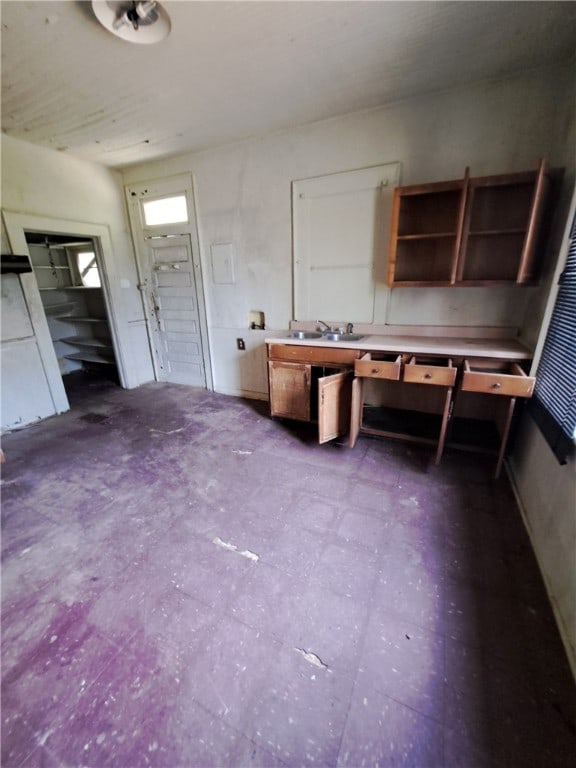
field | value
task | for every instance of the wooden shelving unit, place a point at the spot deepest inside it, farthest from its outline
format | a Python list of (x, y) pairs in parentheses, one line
[(426, 230), (474, 231)]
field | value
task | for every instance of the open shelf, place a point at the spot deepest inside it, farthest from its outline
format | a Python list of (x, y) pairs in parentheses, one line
[(478, 435), (399, 422), (429, 258), (477, 231), (90, 357), (87, 341), (59, 309)]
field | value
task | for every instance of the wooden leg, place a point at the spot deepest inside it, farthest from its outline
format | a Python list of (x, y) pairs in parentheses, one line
[(445, 418), (503, 421)]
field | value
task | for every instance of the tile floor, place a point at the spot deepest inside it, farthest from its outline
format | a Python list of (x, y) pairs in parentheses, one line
[(394, 617)]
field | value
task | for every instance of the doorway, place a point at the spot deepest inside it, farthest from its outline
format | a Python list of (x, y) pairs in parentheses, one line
[(163, 225), (69, 279)]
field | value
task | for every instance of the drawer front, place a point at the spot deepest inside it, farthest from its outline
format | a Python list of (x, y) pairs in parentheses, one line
[(418, 371), (511, 381), (304, 354), (378, 369)]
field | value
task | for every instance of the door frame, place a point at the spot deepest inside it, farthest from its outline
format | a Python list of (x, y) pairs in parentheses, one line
[(17, 224), (166, 187)]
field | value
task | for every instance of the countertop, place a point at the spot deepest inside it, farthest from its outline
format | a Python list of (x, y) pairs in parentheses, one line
[(502, 349)]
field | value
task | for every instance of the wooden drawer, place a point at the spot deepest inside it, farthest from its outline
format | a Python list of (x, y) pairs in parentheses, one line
[(320, 355), (374, 365), (496, 378), (422, 370)]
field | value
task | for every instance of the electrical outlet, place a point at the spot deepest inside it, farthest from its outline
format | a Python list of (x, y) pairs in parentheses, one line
[(240, 344)]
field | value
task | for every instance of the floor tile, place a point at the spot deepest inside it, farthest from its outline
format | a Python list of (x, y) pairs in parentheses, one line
[(187, 582), (381, 732), (404, 662)]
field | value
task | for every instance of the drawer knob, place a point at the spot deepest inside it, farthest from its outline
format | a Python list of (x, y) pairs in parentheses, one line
[(427, 375), (374, 370), (496, 385)]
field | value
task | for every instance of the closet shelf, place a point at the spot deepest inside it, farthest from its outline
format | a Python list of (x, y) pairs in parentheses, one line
[(91, 357), (86, 341), (59, 309)]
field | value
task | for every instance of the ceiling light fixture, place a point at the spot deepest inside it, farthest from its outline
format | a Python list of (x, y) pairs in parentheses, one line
[(142, 21)]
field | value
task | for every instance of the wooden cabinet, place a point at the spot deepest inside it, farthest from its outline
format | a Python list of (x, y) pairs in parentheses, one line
[(473, 231), (376, 365), (501, 225), (426, 230), (431, 399), (485, 404), (416, 399), (432, 370), (312, 384), (495, 377)]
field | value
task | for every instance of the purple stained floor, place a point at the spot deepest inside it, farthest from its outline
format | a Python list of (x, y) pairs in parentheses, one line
[(395, 615)]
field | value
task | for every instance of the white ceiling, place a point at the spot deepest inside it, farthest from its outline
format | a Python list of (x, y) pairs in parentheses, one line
[(232, 70)]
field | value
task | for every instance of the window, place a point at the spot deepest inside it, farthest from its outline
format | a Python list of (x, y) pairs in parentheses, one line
[(554, 403), (165, 210), (88, 269)]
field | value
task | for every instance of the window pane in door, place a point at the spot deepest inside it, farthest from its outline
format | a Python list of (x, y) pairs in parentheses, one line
[(166, 210)]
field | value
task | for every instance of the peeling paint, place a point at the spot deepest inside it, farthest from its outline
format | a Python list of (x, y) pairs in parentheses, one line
[(312, 658), (233, 548), (169, 432)]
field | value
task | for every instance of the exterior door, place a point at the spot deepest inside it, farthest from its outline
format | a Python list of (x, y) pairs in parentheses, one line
[(172, 306), (163, 222)]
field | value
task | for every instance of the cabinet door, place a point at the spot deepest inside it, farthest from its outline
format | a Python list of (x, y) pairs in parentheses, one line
[(501, 228), (356, 410), (289, 390), (334, 402)]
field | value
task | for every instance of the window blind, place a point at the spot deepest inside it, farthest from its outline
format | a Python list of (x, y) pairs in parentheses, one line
[(554, 403)]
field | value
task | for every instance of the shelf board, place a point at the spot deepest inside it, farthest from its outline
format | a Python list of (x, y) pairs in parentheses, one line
[(59, 309), (422, 283), (90, 357), (82, 319), (427, 236), (495, 232), (397, 421), (87, 341), (41, 266)]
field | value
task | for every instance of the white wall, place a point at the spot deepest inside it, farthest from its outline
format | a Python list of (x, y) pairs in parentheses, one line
[(244, 193), (58, 188), (547, 491), (547, 494)]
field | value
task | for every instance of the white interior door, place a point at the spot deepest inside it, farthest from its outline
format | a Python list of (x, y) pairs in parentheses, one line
[(170, 287)]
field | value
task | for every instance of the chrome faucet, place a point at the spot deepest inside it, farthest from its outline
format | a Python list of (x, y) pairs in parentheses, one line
[(321, 322)]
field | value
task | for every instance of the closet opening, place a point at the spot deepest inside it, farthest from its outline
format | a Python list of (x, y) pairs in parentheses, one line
[(70, 281)]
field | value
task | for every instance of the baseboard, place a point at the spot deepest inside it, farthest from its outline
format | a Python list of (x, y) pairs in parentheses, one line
[(247, 393), (570, 651)]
